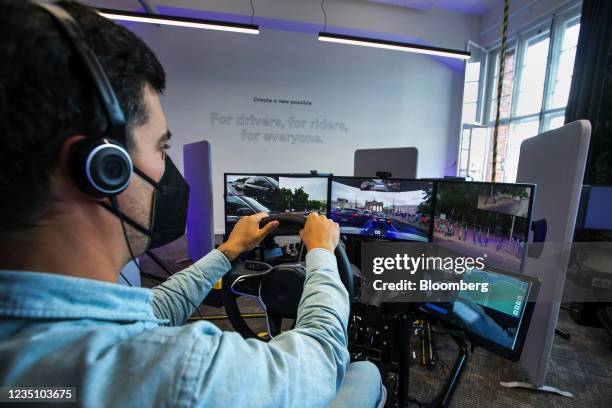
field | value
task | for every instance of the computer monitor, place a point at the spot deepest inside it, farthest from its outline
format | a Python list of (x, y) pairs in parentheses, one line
[(393, 209), (499, 318), (484, 219), (247, 194), (597, 214)]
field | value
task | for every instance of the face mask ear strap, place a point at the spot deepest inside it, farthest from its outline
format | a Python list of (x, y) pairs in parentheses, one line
[(126, 219), (145, 177)]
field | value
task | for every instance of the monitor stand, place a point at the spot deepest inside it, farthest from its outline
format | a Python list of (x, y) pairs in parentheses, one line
[(443, 399), (445, 396)]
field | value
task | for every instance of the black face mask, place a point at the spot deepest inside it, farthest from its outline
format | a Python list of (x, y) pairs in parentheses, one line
[(168, 209)]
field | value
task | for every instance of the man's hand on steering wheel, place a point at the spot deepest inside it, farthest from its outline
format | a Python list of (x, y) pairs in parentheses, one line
[(246, 235), (320, 232), (278, 289)]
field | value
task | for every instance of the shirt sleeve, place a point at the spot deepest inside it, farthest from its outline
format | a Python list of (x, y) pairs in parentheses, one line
[(194, 283), (302, 367)]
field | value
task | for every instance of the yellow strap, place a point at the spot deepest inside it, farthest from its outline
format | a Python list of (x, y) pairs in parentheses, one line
[(500, 82)]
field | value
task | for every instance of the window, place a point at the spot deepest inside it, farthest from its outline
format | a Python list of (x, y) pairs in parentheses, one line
[(506, 95), (538, 72), (561, 74), (563, 69), (473, 85), (532, 75), (473, 152), (470, 92)]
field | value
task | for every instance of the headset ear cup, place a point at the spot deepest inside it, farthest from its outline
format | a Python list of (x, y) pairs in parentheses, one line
[(100, 168)]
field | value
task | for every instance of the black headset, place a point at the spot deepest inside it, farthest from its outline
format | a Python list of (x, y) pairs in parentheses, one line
[(99, 164)]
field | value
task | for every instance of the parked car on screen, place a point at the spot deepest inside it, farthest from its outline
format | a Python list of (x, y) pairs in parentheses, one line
[(257, 184), (240, 206)]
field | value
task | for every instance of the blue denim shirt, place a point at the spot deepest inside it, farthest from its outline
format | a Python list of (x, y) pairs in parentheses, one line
[(122, 346)]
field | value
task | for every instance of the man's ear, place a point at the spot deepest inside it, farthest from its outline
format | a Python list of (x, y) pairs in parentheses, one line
[(64, 179), (64, 153)]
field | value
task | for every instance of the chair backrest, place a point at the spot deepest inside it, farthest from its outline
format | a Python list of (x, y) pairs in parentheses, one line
[(401, 162)]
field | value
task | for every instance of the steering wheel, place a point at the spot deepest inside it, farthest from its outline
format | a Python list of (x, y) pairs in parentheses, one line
[(278, 289)]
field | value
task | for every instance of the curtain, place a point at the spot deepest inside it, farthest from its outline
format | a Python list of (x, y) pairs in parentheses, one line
[(591, 90)]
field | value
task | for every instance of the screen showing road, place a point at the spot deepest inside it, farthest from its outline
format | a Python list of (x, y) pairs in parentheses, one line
[(484, 219), (274, 194), (382, 208), (506, 199)]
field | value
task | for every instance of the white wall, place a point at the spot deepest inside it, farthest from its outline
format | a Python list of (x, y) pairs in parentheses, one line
[(438, 27), (385, 99)]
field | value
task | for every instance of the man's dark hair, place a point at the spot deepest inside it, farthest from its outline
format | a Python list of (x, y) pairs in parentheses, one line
[(46, 96)]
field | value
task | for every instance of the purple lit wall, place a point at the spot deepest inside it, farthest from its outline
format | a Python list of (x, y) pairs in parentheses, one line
[(198, 172)]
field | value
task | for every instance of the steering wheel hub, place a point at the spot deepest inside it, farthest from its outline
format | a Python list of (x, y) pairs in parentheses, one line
[(281, 290)]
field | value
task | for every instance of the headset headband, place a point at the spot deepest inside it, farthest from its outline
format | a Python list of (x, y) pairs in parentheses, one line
[(116, 121)]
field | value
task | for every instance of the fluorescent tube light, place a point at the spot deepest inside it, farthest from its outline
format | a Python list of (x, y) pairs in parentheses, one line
[(396, 46), (149, 18)]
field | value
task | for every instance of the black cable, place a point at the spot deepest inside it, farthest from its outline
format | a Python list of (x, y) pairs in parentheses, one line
[(252, 12), (159, 262), (115, 205), (324, 15)]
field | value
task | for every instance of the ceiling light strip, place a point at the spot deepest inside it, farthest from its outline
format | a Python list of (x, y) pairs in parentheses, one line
[(148, 18), (395, 46)]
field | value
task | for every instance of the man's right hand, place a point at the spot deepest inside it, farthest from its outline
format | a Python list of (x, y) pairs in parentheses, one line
[(246, 235), (320, 232)]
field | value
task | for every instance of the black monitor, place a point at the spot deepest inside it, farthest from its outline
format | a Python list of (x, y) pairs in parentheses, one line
[(393, 209), (498, 319), (597, 214), (484, 219), (247, 194)]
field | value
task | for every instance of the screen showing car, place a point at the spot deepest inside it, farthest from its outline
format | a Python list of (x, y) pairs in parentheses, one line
[(382, 208), (275, 194), (484, 219)]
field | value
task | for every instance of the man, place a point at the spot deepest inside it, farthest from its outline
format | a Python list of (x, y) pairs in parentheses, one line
[(65, 322)]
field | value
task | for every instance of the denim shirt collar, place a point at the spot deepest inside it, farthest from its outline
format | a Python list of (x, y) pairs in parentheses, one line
[(50, 296)]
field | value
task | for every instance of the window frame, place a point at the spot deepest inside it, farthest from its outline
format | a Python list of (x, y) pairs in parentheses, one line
[(554, 27)]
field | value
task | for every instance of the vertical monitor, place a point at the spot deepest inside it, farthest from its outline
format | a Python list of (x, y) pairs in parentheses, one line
[(394, 209)]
